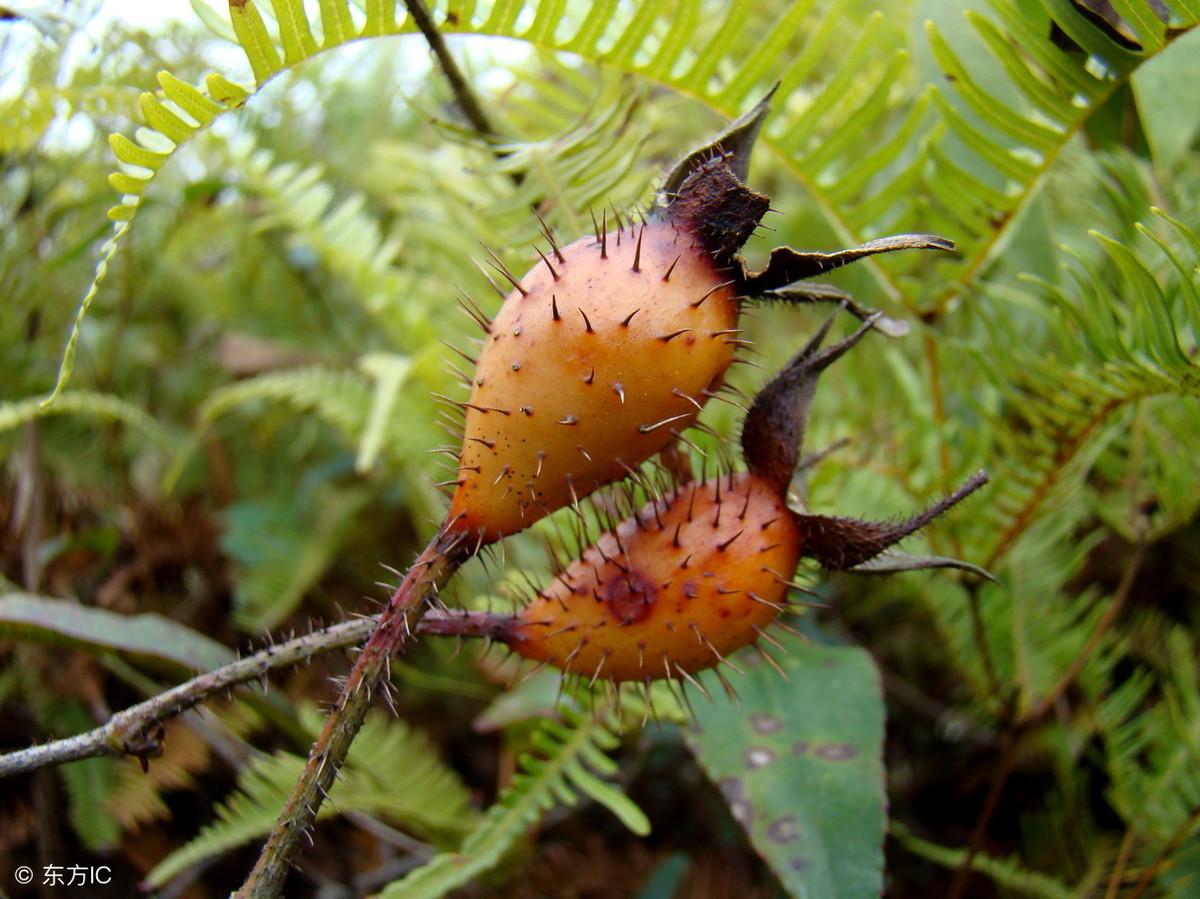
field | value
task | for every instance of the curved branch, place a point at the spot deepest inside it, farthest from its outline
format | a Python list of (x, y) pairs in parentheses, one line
[(133, 731), (463, 94)]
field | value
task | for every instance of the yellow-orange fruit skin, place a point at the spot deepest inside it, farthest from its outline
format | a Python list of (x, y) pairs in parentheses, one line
[(669, 592), (588, 373)]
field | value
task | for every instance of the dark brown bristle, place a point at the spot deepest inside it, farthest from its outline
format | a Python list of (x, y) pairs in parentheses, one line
[(604, 234), (724, 545), (770, 659), (487, 409), (475, 313), (620, 223), (553, 273), (712, 290), (627, 319), (459, 375), (714, 395), (554, 308), (586, 323), (667, 338), (496, 287), (637, 253), (728, 687), (548, 233), (498, 264), (667, 276), (462, 353)]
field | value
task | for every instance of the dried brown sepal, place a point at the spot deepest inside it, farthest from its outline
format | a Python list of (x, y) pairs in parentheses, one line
[(787, 265), (894, 562), (773, 433), (828, 293), (734, 145), (846, 543), (718, 209)]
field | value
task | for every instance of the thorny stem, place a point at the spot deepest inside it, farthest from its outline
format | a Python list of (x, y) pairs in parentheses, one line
[(1026, 722), (436, 564), (463, 95), (132, 731)]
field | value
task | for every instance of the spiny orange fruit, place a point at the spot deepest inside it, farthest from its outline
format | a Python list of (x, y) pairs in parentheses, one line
[(674, 588), (593, 364), (608, 348), (704, 570)]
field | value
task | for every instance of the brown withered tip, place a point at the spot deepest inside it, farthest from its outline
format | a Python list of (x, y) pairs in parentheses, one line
[(773, 432), (850, 544), (735, 145), (786, 265), (718, 209)]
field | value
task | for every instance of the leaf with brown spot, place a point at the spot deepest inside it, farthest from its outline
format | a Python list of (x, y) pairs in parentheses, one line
[(815, 812)]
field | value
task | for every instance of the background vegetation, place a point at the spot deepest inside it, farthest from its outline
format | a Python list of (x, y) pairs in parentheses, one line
[(244, 441)]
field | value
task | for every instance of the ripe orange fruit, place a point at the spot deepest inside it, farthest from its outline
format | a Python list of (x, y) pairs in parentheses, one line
[(593, 365), (696, 574), (608, 348)]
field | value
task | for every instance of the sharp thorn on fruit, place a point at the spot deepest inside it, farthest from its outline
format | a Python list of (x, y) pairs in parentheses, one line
[(553, 273), (671, 268)]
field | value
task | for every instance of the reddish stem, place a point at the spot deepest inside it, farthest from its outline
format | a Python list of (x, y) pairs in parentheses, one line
[(436, 564)]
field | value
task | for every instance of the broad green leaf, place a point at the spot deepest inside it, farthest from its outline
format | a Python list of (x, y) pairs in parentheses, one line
[(1171, 127), (147, 636), (800, 763)]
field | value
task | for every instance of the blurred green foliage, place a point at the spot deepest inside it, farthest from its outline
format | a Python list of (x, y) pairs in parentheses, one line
[(245, 435)]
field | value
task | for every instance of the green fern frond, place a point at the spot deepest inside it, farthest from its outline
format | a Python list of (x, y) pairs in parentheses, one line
[(561, 766), (648, 40), (1006, 872), (1111, 354), (1034, 624), (1012, 145), (1152, 744), (392, 771), (347, 239), (90, 404), (845, 141), (340, 398), (283, 549), (89, 783)]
